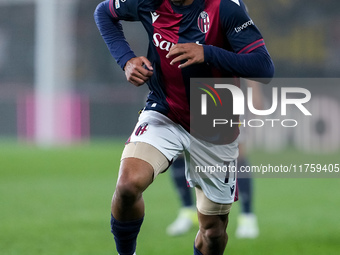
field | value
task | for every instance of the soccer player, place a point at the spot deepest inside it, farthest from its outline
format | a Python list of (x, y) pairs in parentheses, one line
[(187, 38)]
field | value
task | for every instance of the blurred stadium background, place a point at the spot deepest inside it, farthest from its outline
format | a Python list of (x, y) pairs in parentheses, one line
[(66, 109)]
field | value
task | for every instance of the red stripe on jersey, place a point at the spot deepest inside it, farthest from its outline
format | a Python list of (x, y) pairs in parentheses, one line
[(214, 35), (112, 9), (252, 46), (165, 33)]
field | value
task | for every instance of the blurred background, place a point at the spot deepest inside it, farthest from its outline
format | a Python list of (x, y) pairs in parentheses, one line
[(59, 84), (66, 109)]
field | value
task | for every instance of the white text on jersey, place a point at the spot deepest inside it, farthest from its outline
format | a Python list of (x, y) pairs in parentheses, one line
[(162, 44), (244, 26)]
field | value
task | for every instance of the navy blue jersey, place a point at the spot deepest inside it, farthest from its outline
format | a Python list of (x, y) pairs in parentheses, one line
[(224, 29)]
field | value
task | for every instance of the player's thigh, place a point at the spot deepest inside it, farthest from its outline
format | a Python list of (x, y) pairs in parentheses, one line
[(135, 175), (212, 168), (157, 140), (205, 206), (140, 162), (212, 216)]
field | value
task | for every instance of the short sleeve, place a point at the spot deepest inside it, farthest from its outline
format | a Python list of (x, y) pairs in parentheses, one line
[(241, 32)]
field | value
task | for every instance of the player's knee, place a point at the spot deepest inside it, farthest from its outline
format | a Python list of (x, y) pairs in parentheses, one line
[(129, 187), (135, 176), (127, 191), (213, 234)]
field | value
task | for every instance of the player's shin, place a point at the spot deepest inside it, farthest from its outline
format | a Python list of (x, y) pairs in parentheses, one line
[(125, 235)]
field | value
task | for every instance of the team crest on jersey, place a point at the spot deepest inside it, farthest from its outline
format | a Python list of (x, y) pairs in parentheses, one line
[(142, 129), (203, 22)]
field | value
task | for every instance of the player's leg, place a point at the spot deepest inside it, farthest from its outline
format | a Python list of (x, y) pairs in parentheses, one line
[(212, 237), (245, 186), (135, 175), (213, 174), (244, 181), (247, 226), (140, 162), (153, 144), (187, 216), (178, 177)]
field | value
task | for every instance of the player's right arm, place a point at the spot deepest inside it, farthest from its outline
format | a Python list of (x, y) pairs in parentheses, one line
[(136, 73), (107, 16)]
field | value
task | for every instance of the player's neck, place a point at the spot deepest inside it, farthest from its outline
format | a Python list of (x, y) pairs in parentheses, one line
[(182, 2), (188, 2)]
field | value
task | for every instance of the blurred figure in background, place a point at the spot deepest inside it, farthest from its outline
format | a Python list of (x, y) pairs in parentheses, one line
[(187, 215)]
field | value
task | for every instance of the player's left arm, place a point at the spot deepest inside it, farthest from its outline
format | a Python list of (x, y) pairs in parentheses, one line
[(193, 53), (249, 57)]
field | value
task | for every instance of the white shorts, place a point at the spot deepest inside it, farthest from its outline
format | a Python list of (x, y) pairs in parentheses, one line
[(206, 164)]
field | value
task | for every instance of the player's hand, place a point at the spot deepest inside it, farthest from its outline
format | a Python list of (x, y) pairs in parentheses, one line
[(192, 52), (135, 71)]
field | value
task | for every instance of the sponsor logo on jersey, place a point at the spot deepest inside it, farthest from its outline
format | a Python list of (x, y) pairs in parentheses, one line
[(203, 22), (142, 129), (244, 26), (154, 16), (162, 44)]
